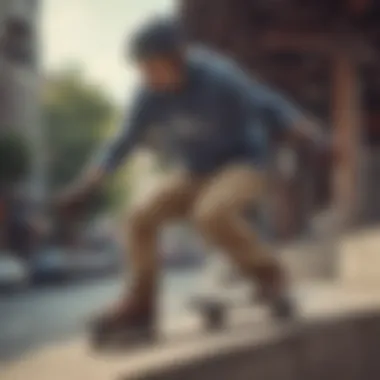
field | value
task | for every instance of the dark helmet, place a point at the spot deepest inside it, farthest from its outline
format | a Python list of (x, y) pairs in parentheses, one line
[(161, 36)]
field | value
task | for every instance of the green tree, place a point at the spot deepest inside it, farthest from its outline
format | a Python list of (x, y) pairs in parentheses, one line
[(15, 158), (79, 117)]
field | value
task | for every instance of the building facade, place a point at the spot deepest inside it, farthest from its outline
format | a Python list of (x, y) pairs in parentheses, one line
[(324, 54), (19, 82)]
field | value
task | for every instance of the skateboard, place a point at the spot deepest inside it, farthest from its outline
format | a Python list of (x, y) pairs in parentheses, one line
[(214, 310), (221, 290), (214, 314)]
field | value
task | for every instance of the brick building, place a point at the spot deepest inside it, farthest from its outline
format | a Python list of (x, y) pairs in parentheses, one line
[(324, 54)]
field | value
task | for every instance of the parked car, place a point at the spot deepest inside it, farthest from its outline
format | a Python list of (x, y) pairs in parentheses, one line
[(93, 263), (182, 259), (64, 264), (50, 265), (14, 273)]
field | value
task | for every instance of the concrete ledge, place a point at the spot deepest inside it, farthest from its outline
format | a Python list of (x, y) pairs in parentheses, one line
[(340, 347), (337, 337), (360, 257)]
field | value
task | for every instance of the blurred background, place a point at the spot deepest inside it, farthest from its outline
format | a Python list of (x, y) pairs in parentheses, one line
[(63, 87)]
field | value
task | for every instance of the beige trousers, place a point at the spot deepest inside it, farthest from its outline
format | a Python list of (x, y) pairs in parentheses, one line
[(215, 204)]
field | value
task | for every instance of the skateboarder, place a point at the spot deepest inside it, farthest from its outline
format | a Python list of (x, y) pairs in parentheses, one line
[(213, 121)]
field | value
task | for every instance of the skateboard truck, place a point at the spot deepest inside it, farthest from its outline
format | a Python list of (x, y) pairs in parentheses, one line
[(118, 337), (214, 315), (214, 311)]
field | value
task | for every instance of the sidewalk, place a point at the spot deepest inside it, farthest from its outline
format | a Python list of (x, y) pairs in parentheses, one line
[(184, 341)]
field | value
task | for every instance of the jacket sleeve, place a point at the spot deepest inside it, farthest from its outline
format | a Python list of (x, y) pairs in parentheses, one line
[(275, 108), (133, 128)]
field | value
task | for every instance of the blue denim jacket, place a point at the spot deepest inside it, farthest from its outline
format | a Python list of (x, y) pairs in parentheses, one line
[(221, 115)]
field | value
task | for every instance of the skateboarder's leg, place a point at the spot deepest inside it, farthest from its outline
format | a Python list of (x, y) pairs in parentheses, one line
[(169, 200), (219, 215)]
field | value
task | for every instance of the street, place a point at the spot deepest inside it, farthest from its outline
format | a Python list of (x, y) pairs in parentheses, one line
[(43, 316)]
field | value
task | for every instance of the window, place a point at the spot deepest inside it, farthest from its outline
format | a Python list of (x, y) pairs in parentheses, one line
[(17, 42)]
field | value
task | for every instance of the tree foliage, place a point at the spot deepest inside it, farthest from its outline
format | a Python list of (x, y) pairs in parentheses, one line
[(15, 158), (78, 118)]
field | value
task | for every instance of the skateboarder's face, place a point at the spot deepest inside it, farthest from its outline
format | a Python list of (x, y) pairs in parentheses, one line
[(162, 73)]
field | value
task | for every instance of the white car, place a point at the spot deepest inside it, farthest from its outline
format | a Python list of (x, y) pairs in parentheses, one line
[(92, 263), (13, 272), (50, 265)]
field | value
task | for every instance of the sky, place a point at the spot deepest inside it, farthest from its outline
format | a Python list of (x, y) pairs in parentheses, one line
[(91, 34)]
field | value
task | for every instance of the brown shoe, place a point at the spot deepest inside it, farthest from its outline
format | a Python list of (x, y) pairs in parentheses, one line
[(274, 290), (271, 281), (127, 313), (133, 315), (126, 323)]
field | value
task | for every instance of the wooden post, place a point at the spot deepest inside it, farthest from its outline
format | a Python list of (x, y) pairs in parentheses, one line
[(346, 124), (359, 6)]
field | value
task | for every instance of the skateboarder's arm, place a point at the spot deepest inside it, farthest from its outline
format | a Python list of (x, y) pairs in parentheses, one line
[(108, 159), (129, 136), (277, 111), (285, 117)]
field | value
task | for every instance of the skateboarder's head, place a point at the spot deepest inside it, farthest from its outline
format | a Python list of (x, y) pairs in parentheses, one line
[(158, 48)]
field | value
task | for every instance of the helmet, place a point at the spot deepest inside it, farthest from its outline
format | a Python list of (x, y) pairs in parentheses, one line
[(160, 36)]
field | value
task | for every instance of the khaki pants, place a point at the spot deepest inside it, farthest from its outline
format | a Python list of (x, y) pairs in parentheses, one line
[(214, 203)]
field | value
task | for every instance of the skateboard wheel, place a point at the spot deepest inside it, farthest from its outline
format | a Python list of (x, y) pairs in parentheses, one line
[(99, 335), (283, 309), (98, 340), (215, 317)]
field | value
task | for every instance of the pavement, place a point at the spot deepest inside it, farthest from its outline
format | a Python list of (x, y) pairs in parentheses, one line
[(183, 338), (181, 341), (52, 315)]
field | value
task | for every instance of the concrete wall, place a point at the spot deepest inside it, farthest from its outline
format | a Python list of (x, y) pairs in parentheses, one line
[(343, 345), (332, 349), (360, 258)]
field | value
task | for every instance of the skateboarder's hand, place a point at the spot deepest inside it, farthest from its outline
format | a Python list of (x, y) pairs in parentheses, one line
[(312, 138), (72, 199), (69, 200), (329, 151)]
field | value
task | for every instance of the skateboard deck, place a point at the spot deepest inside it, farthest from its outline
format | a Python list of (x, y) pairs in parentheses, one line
[(214, 310), (236, 321), (208, 315), (221, 290)]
